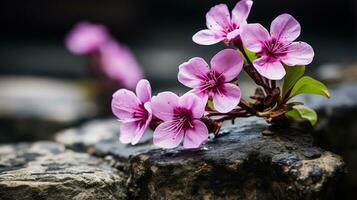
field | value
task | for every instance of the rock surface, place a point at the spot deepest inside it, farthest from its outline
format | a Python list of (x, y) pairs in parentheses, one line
[(101, 138), (46, 170), (243, 164)]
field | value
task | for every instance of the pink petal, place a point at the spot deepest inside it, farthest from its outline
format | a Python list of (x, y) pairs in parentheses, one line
[(285, 28), (253, 36), (207, 37), (86, 37), (165, 136), (233, 34), (218, 18), (163, 105), (271, 69), (194, 137), (298, 53), (143, 90), (202, 95), (131, 133), (191, 72), (124, 103), (241, 11), (192, 102), (120, 64), (227, 62), (227, 99)]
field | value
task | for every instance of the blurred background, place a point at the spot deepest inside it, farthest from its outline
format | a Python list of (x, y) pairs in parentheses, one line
[(45, 88)]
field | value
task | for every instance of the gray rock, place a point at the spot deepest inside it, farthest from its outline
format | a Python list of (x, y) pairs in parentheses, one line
[(101, 138), (33, 108), (242, 164), (46, 170)]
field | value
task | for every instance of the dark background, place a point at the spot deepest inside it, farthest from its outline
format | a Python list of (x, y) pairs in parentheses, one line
[(159, 32)]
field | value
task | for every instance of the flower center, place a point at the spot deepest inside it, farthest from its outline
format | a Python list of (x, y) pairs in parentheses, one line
[(141, 114), (274, 49), (211, 82), (183, 118)]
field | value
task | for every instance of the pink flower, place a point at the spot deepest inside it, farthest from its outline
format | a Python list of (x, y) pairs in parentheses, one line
[(214, 82), (221, 26), (181, 120), (86, 38), (277, 47), (134, 111), (119, 63)]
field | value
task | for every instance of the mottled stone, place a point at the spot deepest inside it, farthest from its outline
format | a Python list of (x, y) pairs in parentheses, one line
[(46, 170), (101, 138), (33, 108), (242, 164)]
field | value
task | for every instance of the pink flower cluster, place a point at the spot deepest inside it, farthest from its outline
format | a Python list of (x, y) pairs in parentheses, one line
[(115, 59), (183, 118)]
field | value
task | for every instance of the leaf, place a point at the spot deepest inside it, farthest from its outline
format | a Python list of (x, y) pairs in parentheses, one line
[(302, 112), (293, 74), (210, 104), (308, 85), (251, 55)]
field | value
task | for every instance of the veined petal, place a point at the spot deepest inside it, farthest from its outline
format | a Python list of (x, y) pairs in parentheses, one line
[(271, 69), (131, 133), (298, 53), (192, 102), (254, 36), (227, 62), (218, 18), (227, 99), (207, 37), (241, 11), (233, 34), (143, 90), (163, 105), (124, 103), (167, 135), (192, 72), (196, 136), (285, 28)]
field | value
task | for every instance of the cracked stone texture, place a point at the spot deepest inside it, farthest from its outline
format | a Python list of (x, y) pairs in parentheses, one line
[(46, 170), (243, 164)]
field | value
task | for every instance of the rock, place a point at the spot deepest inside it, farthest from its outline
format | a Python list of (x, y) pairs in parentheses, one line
[(34, 108), (45, 170), (101, 138), (242, 164)]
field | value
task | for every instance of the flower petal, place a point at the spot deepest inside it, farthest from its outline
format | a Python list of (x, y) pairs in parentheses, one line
[(124, 103), (86, 37), (227, 99), (143, 90), (166, 136), (192, 72), (192, 102), (194, 137), (163, 105), (131, 133), (120, 64), (218, 18), (298, 53), (207, 37), (285, 28), (227, 62), (241, 11), (253, 36), (271, 69)]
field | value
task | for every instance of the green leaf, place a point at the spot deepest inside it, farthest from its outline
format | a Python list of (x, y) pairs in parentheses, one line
[(293, 74), (302, 112), (251, 55), (308, 85), (210, 104)]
